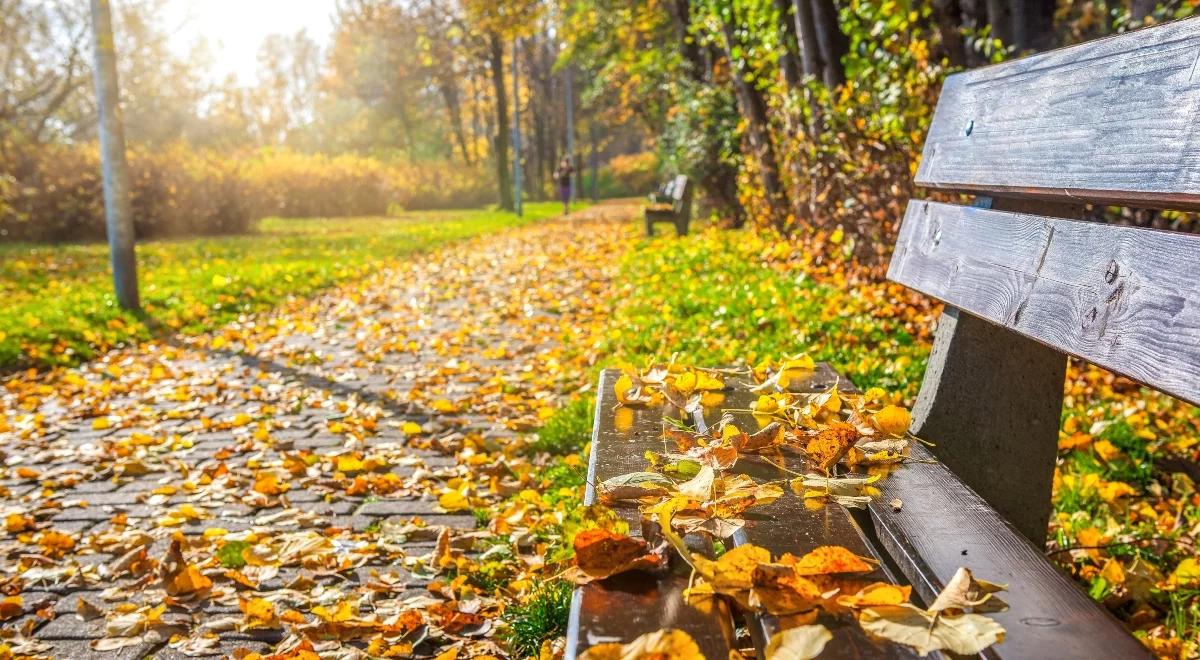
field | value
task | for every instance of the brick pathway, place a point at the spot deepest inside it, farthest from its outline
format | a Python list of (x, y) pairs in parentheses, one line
[(297, 433)]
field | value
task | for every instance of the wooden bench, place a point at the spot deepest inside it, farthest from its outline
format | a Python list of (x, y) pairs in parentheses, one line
[(673, 204), (1026, 284)]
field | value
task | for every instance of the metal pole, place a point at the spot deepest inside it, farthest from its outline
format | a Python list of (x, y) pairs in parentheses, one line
[(595, 160), (516, 131), (571, 132), (117, 210)]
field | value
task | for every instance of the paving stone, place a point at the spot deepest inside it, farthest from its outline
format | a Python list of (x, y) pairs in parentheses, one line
[(226, 649), (398, 508), (72, 648)]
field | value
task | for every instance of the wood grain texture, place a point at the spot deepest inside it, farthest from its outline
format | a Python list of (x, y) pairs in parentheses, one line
[(991, 403), (621, 608), (1124, 298), (787, 525), (1115, 120), (943, 525)]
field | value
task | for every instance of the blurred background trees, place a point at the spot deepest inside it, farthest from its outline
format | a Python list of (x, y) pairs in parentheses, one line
[(800, 116)]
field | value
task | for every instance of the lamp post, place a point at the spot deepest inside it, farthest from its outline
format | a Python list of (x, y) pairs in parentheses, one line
[(117, 210)]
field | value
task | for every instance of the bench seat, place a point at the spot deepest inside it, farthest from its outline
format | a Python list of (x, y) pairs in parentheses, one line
[(941, 525)]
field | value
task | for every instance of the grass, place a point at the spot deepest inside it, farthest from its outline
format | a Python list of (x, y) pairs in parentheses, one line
[(568, 430), (543, 616), (711, 300), (59, 306)]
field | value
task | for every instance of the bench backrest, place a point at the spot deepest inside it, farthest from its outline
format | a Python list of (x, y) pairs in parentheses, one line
[(681, 194), (1114, 121)]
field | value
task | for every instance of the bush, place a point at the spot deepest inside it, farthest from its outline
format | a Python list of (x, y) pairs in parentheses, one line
[(630, 175), (568, 430), (54, 192)]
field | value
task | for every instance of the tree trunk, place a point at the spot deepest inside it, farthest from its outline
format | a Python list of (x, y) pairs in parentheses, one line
[(948, 19), (1033, 24), (449, 90), (717, 178), (1143, 9), (832, 41), (789, 57), (974, 17), (754, 110), (501, 137), (999, 14), (806, 36)]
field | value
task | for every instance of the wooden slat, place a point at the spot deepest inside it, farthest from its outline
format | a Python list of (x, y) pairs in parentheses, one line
[(1124, 298), (942, 525), (1115, 120), (619, 609), (786, 525)]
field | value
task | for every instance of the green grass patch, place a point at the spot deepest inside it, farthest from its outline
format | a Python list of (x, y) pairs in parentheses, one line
[(60, 309), (568, 430), (710, 300), (543, 616)]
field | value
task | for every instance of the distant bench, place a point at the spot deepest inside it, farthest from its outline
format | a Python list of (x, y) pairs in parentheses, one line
[(672, 203), (1026, 284)]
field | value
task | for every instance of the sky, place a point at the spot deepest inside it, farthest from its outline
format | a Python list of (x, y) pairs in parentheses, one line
[(235, 28)]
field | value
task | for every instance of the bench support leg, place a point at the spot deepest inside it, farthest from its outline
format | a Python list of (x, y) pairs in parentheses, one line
[(991, 402)]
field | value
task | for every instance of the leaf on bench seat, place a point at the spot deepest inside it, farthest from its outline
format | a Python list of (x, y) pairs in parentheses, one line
[(828, 446), (967, 634), (674, 644), (964, 592), (634, 486), (799, 643), (600, 553)]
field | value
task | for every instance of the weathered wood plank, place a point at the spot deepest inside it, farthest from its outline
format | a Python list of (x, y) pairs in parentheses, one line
[(943, 525), (787, 525), (1120, 297), (991, 403), (1115, 120), (621, 608)]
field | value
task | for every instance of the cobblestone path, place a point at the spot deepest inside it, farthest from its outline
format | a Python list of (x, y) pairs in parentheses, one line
[(289, 484)]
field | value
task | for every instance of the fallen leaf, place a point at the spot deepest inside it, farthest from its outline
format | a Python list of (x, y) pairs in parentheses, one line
[(964, 592), (661, 644), (600, 553), (967, 634), (799, 643)]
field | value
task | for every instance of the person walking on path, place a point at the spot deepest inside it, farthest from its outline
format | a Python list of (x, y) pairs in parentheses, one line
[(562, 176)]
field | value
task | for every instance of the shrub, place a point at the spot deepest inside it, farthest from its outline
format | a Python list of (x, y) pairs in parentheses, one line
[(567, 431), (54, 192), (630, 175)]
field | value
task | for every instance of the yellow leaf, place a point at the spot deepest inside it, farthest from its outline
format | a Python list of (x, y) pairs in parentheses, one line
[(874, 595), (686, 382), (1106, 450), (101, 423), (344, 612), (259, 612), (444, 406), (661, 644), (189, 580), (829, 559), (1113, 572), (1187, 573), (411, 428), (892, 420), (269, 484), (453, 500)]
